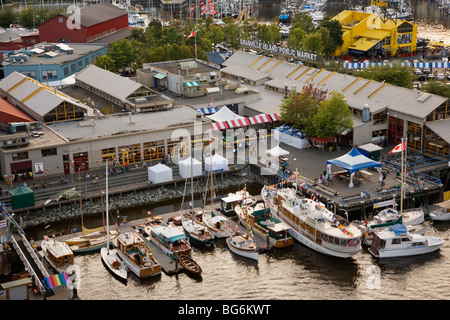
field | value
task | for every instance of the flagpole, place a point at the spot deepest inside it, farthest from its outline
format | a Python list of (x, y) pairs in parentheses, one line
[(195, 38), (401, 185)]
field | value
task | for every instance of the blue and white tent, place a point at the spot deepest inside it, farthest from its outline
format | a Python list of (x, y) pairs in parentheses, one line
[(352, 162)]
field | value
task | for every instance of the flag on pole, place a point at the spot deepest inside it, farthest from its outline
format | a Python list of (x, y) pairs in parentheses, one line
[(398, 148), (191, 35)]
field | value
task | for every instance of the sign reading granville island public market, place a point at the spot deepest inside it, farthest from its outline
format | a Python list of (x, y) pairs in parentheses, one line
[(297, 54)]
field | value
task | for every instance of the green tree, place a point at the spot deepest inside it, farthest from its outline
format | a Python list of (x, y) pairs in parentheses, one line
[(299, 108), (268, 33), (105, 62), (295, 38), (395, 74), (304, 21), (313, 43), (336, 33), (7, 17), (333, 117), (232, 32), (216, 34), (123, 52), (438, 88)]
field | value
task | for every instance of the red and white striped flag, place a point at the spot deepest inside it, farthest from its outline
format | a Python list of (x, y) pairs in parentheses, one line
[(398, 148), (191, 35)]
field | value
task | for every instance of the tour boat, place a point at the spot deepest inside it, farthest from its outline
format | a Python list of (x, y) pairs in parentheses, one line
[(441, 212), (196, 232), (217, 225), (268, 228), (57, 253), (398, 242), (234, 199), (242, 246), (170, 239), (312, 224), (136, 255), (110, 257)]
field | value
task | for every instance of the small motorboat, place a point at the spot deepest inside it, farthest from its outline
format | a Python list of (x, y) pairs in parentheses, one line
[(190, 265), (243, 247), (441, 212)]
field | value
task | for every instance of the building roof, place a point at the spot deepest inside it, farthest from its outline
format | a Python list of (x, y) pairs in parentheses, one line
[(441, 128), (98, 13), (36, 97), (112, 125), (13, 113), (357, 91), (36, 54), (108, 82)]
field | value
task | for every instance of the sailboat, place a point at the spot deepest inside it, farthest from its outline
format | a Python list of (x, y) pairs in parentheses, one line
[(196, 232), (91, 239), (110, 257)]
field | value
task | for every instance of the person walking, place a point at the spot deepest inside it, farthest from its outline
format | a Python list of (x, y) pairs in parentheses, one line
[(127, 167)]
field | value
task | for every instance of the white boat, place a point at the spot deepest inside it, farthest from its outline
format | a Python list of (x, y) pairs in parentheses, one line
[(136, 255), (398, 242), (312, 224), (243, 247), (441, 212), (57, 253), (410, 217), (234, 199), (317, 15), (196, 232), (110, 257), (217, 225), (135, 19)]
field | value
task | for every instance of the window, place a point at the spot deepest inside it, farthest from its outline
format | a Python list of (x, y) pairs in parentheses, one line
[(66, 71), (153, 150), (72, 68), (108, 154), (20, 156), (49, 152), (60, 20), (396, 241)]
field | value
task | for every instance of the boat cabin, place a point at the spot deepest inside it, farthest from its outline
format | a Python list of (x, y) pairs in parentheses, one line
[(229, 203), (60, 255), (171, 238)]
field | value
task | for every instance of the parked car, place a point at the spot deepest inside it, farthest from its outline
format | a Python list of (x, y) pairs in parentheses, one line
[(440, 76), (416, 84)]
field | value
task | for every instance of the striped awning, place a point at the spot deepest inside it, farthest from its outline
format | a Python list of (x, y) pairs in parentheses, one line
[(238, 123), (208, 110), (262, 118), (160, 75), (213, 89), (192, 84), (57, 280), (219, 125), (276, 116)]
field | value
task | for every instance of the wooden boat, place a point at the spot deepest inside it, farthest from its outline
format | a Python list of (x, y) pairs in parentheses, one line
[(312, 224), (110, 257), (170, 239), (58, 254), (196, 232), (230, 202), (264, 225), (242, 246), (136, 255), (398, 242), (190, 265), (91, 239), (217, 225)]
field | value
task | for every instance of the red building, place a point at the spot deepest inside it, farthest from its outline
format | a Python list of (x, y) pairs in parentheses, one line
[(85, 25)]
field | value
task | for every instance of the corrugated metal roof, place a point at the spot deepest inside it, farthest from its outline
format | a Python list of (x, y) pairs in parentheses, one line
[(108, 82), (441, 128), (99, 13)]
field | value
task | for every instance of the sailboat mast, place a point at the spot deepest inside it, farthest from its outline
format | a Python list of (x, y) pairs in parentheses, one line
[(401, 184), (212, 191), (107, 208), (81, 200), (101, 195)]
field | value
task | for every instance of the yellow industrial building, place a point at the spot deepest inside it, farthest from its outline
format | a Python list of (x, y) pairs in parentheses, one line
[(369, 35)]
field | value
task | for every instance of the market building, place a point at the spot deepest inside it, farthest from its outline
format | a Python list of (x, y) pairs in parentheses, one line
[(381, 111), (369, 35)]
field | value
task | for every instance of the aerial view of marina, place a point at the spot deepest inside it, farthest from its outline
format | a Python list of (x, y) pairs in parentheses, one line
[(255, 151)]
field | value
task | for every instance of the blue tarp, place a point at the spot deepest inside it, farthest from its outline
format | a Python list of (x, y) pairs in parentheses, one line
[(398, 229), (354, 161)]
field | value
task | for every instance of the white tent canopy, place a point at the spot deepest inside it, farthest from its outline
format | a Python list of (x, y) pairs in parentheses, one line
[(216, 163), (185, 167), (224, 114), (159, 173), (277, 151)]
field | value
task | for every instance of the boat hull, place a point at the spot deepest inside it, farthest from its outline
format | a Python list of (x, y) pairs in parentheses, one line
[(142, 273), (277, 243), (435, 245), (243, 253), (440, 217), (109, 257)]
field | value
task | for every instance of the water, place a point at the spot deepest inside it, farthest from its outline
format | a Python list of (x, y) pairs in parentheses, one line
[(295, 273)]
